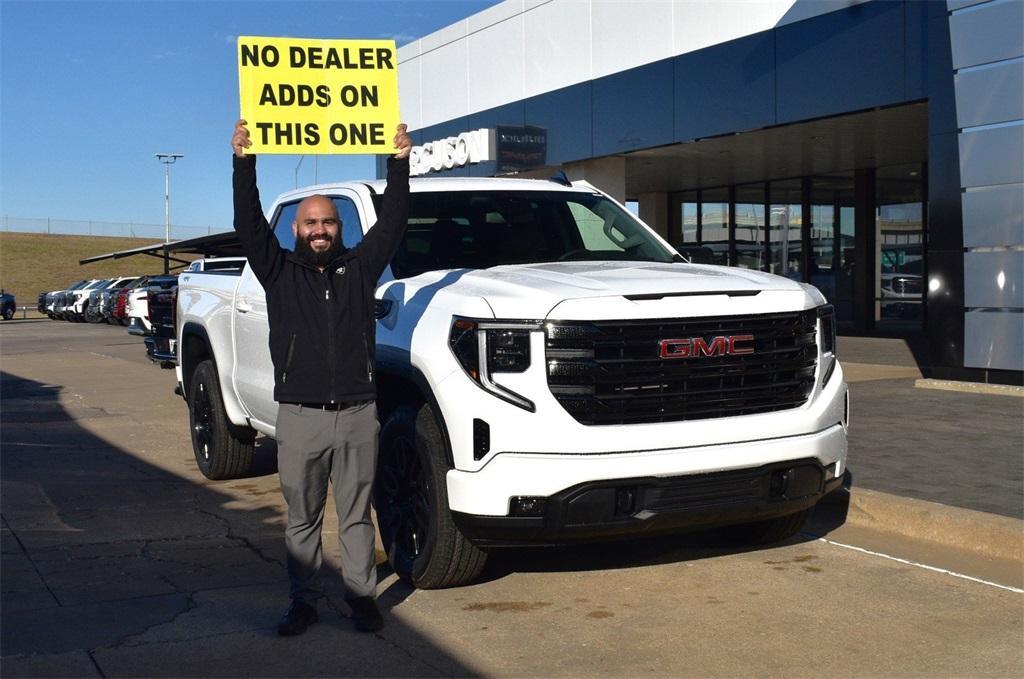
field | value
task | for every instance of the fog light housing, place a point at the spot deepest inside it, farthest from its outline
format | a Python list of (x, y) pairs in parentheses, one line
[(625, 501), (527, 505)]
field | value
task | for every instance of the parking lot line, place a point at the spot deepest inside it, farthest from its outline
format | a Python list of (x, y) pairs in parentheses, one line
[(925, 566)]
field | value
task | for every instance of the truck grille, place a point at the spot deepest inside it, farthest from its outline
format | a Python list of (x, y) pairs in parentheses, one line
[(612, 372)]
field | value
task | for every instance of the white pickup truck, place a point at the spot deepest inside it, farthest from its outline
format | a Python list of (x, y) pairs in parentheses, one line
[(548, 369)]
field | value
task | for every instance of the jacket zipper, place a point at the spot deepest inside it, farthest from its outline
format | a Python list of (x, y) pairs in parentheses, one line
[(330, 334), (369, 363), (288, 360)]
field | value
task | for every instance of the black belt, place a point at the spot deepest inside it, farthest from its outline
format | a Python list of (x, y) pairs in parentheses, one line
[(337, 405)]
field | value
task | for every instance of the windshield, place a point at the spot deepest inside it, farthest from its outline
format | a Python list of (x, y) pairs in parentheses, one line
[(481, 229)]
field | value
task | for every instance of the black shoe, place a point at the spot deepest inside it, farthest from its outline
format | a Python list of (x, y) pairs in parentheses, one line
[(365, 614), (300, 615)]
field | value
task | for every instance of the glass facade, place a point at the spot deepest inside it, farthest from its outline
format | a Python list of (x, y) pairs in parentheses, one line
[(805, 228)]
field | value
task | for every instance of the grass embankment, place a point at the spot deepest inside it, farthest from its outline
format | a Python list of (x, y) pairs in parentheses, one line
[(31, 263)]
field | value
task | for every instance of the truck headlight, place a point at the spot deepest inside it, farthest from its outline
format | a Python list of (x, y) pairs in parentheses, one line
[(827, 341), (484, 347)]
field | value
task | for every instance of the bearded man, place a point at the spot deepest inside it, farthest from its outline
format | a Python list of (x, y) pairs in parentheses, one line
[(320, 303)]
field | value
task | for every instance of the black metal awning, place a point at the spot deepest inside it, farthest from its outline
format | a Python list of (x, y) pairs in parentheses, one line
[(215, 245)]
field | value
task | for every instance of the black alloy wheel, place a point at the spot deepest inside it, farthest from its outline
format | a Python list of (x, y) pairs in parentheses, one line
[(404, 489), (422, 542), (223, 450)]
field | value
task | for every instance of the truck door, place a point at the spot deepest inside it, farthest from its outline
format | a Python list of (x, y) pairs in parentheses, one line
[(253, 370)]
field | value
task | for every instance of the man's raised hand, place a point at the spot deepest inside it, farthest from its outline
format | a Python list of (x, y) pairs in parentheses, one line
[(402, 141), (240, 139)]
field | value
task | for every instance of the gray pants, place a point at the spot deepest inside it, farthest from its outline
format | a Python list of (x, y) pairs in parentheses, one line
[(313, 447)]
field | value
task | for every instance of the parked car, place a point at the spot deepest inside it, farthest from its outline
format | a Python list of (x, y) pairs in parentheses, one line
[(61, 299), (7, 305), (138, 303), (119, 300), (162, 300), (78, 302), (93, 308)]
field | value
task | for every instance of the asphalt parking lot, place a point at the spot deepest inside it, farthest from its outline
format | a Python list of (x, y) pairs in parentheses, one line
[(120, 559)]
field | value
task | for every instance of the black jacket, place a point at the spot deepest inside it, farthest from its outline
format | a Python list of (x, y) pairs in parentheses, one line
[(322, 327)]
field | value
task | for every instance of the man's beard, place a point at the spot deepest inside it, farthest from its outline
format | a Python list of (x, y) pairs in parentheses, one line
[(307, 255)]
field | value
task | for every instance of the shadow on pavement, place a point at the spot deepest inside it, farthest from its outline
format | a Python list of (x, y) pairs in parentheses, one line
[(115, 566)]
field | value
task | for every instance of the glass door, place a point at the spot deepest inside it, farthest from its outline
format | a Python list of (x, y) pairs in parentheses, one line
[(785, 247), (832, 241), (899, 248), (750, 226)]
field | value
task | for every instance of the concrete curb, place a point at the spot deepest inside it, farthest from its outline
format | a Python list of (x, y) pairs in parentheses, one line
[(988, 535), (970, 387)]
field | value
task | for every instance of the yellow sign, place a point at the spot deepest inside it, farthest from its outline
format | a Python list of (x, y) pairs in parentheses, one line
[(318, 96)]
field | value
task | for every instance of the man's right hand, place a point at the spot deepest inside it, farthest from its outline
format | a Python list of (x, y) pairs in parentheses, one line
[(240, 139)]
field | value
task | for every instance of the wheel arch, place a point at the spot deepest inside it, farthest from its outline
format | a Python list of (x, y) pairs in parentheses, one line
[(400, 383), (195, 347)]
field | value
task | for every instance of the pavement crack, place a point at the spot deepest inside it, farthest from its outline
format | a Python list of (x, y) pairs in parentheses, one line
[(126, 641), (230, 535), (96, 664), (32, 561)]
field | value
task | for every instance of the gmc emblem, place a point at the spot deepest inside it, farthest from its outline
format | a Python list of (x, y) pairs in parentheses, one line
[(697, 347)]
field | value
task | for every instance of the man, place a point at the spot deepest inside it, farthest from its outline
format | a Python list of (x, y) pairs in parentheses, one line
[(320, 306)]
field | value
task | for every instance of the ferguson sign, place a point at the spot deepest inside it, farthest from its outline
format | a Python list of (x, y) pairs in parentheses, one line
[(475, 146)]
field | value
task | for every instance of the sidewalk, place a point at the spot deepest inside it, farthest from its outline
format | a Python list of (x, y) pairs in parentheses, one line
[(956, 448)]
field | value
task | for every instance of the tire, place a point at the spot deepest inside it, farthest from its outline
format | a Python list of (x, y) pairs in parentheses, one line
[(223, 450), (768, 532), (423, 544), (8, 313)]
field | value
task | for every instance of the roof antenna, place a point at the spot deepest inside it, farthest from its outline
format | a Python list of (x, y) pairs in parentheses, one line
[(560, 178)]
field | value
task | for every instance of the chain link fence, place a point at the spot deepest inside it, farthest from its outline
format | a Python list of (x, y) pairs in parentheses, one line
[(80, 227)]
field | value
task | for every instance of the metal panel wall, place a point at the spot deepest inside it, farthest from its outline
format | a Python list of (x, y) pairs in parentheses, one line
[(987, 47), (987, 32), (710, 83), (990, 94), (992, 155), (994, 279), (994, 339), (523, 48), (863, 45), (993, 216)]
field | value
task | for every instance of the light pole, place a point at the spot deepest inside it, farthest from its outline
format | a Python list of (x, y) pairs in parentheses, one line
[(167, 159)]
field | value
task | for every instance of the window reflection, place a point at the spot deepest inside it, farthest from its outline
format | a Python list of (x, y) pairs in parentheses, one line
[(715, 223), (785, 252), (899, 269), (750, 201)]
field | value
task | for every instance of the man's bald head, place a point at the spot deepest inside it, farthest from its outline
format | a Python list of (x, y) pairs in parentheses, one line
[(317, 230)]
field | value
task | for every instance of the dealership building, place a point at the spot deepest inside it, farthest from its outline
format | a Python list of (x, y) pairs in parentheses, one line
[(872, 148)]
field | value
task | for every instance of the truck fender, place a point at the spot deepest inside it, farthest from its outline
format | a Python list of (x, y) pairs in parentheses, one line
[(395, 368), (194, 347)]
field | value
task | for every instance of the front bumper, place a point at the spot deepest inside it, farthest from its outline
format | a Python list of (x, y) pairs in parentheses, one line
[(653, 505), (488, 492)]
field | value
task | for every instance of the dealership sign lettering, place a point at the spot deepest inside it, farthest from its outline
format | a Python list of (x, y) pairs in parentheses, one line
[(475, 146)]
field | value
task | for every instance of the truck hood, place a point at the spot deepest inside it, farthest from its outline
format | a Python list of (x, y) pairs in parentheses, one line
[(596, 290)]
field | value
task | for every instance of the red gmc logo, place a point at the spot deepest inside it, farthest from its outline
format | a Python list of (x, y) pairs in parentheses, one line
[(697, 347)]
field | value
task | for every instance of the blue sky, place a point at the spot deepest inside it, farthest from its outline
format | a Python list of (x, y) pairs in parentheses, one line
[(89, 91)]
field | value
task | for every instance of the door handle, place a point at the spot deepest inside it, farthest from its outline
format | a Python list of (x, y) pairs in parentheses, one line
[(243, 306)]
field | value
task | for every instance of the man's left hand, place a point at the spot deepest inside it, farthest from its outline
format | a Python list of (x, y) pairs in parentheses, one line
[(402, 141)]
